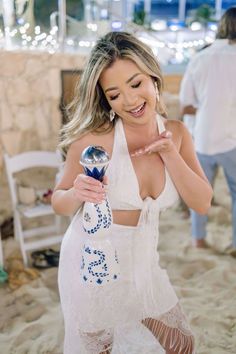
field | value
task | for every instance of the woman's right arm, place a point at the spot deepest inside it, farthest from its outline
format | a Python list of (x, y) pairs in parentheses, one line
[(74, 187)]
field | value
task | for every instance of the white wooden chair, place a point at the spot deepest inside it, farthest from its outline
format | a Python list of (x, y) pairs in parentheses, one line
[(46, 235)]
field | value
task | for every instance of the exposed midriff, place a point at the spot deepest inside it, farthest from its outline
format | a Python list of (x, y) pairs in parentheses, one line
[(126, 217)]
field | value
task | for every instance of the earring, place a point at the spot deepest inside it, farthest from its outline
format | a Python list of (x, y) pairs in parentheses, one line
[(157, 92), (112, 115)]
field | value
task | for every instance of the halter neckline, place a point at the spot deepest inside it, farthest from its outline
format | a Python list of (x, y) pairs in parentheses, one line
[(161, 128)]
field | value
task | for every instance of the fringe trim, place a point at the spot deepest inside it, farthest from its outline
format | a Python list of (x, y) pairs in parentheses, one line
[(171, 330), (171, 338), (98, 342)]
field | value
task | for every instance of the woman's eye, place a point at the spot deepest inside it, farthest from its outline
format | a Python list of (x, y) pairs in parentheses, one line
[(112, 98), (136, 85)]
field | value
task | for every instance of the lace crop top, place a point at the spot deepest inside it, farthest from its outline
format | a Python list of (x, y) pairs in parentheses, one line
[(123, 191)]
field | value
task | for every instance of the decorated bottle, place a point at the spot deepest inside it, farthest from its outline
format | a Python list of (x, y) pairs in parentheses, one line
[(100, 265)]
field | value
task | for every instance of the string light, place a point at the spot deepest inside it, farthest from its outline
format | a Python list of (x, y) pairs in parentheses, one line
[(34, 39), (92, 26), (37, 30), (186, 44)]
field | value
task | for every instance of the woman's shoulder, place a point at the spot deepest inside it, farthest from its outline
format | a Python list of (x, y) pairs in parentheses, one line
[(103, 139), (174, 125), (177, 128)]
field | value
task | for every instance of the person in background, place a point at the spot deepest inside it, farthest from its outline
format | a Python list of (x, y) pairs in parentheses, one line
[(152, 160), (208, 90), (187, 115)]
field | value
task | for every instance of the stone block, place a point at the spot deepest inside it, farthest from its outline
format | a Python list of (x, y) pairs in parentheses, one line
[(19, 92), (34, 68), (12, 64), (39, 87), (54, 83), (11, 141), (30, 140), (42, 123), (6, 116), (24, 119)]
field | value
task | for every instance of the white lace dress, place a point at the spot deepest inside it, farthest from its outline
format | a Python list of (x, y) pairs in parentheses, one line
[(130, 315)]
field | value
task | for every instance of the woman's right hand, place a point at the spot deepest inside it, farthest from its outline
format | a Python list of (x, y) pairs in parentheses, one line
[(88, 189)]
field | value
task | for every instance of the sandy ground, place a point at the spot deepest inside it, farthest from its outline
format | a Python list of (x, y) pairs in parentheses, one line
[(205, 281)]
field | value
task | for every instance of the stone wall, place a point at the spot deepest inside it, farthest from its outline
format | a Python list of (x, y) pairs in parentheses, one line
[(30, 86), (30, 119)]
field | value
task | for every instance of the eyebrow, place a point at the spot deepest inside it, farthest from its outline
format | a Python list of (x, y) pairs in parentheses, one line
[(130, 79)]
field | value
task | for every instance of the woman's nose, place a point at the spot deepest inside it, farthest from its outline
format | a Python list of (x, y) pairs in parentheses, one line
[(130, 99)]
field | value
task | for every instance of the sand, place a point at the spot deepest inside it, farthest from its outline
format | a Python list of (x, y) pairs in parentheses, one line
[(205, 281)]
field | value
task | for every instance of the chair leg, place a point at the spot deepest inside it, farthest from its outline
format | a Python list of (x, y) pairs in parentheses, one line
[(16, 236), (20, 238)]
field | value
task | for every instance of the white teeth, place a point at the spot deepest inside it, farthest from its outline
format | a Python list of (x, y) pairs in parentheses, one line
[(137, 109)]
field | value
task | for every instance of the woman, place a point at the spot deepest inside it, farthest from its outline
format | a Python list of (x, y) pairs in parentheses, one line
[(152, 161)]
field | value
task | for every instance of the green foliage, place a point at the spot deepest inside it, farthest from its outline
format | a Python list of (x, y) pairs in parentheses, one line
[(139, 17), (203, 14)]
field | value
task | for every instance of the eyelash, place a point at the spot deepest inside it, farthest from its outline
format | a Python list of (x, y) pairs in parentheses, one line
[(113, 97), (133, 86), (137, 85)]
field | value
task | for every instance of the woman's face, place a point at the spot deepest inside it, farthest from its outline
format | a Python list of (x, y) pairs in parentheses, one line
[(130, 93)]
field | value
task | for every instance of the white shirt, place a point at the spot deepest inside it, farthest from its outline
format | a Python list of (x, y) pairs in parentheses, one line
[(209, 84), (189, 120)]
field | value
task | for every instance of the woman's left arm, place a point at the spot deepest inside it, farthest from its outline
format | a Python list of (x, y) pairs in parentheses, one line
[(188, 175), (183, 167)]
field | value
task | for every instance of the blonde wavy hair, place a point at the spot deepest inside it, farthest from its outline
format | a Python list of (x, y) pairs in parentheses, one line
[(90, 108)]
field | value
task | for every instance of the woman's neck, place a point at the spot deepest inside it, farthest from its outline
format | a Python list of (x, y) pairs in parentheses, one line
[(147, 130)]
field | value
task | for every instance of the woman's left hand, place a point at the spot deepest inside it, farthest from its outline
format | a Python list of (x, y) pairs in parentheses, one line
[(162, 144)]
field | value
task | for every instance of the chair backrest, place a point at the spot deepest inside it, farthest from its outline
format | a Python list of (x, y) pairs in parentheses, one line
[(25, 161)]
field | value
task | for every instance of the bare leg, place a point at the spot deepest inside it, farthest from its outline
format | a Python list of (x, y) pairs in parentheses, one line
[(172, 331), (173, 340)]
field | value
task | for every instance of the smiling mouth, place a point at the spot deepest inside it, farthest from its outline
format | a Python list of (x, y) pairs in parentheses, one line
[(138, 111)]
